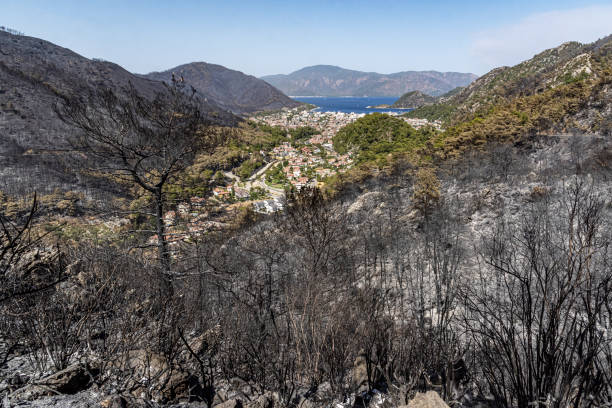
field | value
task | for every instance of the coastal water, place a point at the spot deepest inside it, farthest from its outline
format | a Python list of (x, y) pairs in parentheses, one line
[(350, 104)]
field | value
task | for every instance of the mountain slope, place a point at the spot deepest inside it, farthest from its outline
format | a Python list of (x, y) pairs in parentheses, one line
[(328, 80), (551, 69), (563, 91), (33, 75), (232, 90)]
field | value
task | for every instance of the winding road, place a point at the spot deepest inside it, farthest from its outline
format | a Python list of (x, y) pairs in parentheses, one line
[(256, 180)]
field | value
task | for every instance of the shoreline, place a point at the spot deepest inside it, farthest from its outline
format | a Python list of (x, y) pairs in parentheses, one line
[(319, 96), (387, 107)]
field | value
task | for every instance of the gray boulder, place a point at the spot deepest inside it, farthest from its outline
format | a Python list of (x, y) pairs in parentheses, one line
[(430, 399), (359, 378), (114, 401), (70, 380), (153, 376), (233, 403), (267, 400)]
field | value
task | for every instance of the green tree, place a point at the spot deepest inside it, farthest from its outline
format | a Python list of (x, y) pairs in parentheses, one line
[(303, 132), (376, 135), (426, 193)]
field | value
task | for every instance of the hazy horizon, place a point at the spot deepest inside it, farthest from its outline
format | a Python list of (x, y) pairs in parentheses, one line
[(274, 37)]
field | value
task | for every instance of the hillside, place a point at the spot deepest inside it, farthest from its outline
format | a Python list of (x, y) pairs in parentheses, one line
[(229, 89), (453, 267), (33, 75), (565, 90), (558, 69), (413, 99), (328, 80)]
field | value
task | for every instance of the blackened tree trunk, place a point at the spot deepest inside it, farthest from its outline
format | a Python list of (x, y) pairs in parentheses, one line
[(146, 142), (162, 245)]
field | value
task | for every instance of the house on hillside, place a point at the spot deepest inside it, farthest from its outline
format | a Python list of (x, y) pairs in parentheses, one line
[(183, 209), (169, 218), (197, 202), (268, 206), (221, 192)]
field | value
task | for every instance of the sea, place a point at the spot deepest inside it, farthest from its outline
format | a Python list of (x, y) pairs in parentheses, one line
[(350, 104)]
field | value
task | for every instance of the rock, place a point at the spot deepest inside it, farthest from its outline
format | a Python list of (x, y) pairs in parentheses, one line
[(317, 396), (234, 389), (238, 385), (114, 401), (236, 395), (365, 202), (198, 345), (219, 398), (233, 403), (267, 400), (324, 391), (305, 403), (197, 404), (83, 399), (205, 341), (18, 379), (69, 380), (402, 395), (29, 393), (156, 376), (430, 399), (359, 379)]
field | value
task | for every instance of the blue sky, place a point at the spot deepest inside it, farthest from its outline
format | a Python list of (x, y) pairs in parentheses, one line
[(269, 37)]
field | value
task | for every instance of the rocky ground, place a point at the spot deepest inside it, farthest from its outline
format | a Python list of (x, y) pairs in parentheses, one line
[(76, 387)]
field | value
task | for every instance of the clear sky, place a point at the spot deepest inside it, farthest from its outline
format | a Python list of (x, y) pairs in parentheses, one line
[(270, 37)]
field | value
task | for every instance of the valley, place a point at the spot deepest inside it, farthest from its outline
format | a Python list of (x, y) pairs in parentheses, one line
[(195, 238)]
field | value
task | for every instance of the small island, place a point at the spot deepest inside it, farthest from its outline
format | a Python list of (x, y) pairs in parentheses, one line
[(413, 100), (410, 100)]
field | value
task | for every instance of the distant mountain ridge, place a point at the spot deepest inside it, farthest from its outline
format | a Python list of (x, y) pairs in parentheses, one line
[(229, 89), (330, 80)]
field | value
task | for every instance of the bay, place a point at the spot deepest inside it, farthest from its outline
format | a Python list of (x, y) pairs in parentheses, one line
[(350, 104)]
